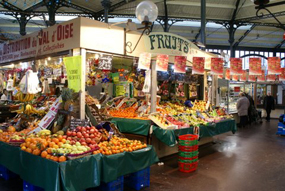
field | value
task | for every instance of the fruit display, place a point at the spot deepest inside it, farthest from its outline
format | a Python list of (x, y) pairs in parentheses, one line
[(199, 105), (177, 121), (162, 121), (119, 145)]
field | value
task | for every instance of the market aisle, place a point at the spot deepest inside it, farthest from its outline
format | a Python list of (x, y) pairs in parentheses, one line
[(252, 159)]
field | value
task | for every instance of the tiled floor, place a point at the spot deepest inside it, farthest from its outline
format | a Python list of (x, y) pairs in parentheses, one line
[(250, 160)]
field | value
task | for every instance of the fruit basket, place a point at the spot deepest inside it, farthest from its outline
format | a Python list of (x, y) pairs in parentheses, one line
[(16, 143), (84, 154)]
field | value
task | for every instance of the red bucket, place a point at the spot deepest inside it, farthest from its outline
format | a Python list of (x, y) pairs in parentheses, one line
[(187, 167), (188, 137), (188, 148)]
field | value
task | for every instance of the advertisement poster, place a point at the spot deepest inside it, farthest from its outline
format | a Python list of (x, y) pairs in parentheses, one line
[(282, 75), (251, 78), (217, 66), (144, 61), (73, 69), (180, 64), (236, 66), (243, 77), (255, 66), (235, 77), (270, 77), (261, 77), (162, 62), (228, 74), (274, 65), (198, 65)]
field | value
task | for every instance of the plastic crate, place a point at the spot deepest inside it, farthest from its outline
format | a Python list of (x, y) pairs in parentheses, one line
[(188, 154), (187, 161), (29, 187), (188, 148), (138, 179), (187, 167), (6, 174), (188, 143), (116, 185)]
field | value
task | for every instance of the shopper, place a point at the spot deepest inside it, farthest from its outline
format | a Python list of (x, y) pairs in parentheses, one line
[(242, 108), (4, 95), (268, 105)]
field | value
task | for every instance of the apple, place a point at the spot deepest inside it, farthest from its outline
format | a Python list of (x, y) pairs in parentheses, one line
[(93, 142), (92, 147), (69, 138), (79, 135), (88, 132), (73, 133), (69, 133), (84, 144), (78, 128), (88, 128), (92, 130), (83, 129), (88, 140), (92, 136), (72, 142)]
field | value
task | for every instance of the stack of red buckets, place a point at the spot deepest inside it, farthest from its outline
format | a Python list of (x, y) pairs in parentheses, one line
[(188, 153)]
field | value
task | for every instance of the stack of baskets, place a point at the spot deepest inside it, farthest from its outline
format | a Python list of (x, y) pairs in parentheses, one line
[(188, 153)]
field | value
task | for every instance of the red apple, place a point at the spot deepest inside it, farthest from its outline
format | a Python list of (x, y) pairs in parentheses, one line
[(79, 135), (69, 138), (92, 136), (78, 128), (92, 130), (69, 133), (88, 128), (93, 142), (88, 132), (83, 129), (88, 140), (86, 135), (73, 133)]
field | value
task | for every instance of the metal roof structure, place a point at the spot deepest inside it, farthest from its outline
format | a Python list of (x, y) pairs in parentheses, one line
[(253, 29)]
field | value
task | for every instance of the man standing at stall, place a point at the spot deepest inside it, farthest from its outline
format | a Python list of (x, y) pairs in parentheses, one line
[(4, 95), (268, 104), (242, 108)]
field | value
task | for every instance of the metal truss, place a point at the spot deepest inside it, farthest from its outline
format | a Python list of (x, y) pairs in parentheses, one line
[(244, 35)]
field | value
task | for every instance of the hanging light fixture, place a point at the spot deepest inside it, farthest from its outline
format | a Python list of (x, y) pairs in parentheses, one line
[(146, 13)]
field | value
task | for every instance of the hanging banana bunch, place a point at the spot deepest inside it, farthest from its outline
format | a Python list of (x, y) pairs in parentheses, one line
[(25, 97)]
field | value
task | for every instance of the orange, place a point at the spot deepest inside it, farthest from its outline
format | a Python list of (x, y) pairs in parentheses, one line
[(48, 156), (23, 148), (36, 152), (44, 154), (63, 141), (59, 137), (55, 140), (33, 146), (29, 150), (49, 150), (55, 158), (62, 159)]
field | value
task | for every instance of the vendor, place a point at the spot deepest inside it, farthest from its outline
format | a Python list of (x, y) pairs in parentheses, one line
[(4, 96)]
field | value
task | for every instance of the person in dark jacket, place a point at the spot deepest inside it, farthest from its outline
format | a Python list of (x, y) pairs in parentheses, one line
[(268, 104), (242, 108)]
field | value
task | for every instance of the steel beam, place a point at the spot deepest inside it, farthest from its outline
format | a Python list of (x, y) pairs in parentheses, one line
[(244, 35), (203, 22), (166, 28), (36, 6), (279, 45), (107, 5), (76, 7), (267, 16), (245, 48)]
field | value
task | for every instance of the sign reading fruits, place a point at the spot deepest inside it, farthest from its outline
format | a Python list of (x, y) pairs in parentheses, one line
[(255, 66), (271, 77), (236, 66), (262, 76), (144, 61), (162, 62), (180, 64), (274, 66), (217, 67), (198, 65), (282, 75), (243, 76), (228, 74)]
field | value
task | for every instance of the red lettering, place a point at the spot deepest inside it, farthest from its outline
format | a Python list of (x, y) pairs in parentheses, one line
[(67, 31), (59, 31)]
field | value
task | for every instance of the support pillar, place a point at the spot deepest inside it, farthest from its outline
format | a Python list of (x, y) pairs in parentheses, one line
[(106, 4), (166, 24), (23, 22), (203, 22), (153, 90), (52, 7), (83, 80), (231, 27)]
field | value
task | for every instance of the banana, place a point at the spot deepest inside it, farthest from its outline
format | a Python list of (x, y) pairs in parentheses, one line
[(21, 97)]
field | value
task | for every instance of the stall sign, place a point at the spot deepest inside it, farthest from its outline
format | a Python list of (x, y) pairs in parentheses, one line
[(251, 78), (144, 61), (271, 78), (198, 65), (236, 66), (217, 66), (162, 62), (274, 66), (255, 66), (74, 74), (262, 76), (180, 64), (60, 37), (282, 75), (243, 77), (120, 90), (78, 122), (235, 77), (105, 62), (228, 74)]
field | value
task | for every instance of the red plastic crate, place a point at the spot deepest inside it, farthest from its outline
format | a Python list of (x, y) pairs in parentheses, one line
[(187, 167)]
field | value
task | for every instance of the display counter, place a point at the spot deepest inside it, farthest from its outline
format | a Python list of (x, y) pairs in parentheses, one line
[(77, 174), (169, 137)]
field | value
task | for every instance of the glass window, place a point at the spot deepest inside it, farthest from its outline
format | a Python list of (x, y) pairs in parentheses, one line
[(237, 54), (270, 54)]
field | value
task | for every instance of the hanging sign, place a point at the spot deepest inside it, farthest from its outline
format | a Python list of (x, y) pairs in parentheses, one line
[(198, 65), (243, 77), (120, 90), (73, 69), (235, 77), (255, 66), (251, 78), (144, 61), (262, 76), (180, 64), (236, 66), (274, 66), (282, 75), (162, 62), (271, 78), (217, 65), (228, 74), (105, 62)]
